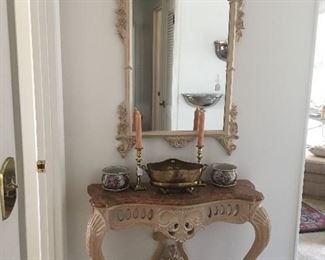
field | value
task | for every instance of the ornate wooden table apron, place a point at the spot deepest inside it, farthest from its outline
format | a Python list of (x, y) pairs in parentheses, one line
[(176, 216)]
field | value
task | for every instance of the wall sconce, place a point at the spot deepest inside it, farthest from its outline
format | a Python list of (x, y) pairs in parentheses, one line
[(221, 49)]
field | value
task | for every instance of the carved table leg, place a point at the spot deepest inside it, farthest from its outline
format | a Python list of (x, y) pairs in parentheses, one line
[(96, 230), (262, 226), (167, 251)]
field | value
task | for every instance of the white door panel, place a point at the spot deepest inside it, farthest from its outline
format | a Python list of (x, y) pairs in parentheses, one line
[(9, 229), (31, 128)]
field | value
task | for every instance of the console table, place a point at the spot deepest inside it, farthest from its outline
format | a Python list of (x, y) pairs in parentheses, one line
[(177, 216)]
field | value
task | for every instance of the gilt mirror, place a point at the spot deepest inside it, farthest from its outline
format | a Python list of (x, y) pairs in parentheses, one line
[(179, 57)]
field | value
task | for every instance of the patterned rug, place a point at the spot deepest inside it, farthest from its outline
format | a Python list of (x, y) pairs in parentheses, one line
[(311, 220)]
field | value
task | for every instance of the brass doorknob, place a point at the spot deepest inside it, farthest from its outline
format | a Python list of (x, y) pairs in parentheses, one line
[(163, 103), (11, 185)]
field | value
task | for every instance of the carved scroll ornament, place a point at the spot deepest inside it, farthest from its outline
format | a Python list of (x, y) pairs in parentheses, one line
[(126, 140), (122, 19), (239, 18), (227, 141), (178, 141)]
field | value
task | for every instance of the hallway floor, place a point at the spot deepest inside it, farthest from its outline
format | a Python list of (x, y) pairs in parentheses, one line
[(312, 245)]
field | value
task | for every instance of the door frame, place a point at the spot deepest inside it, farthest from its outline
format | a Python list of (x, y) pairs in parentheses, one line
[(37, 26)]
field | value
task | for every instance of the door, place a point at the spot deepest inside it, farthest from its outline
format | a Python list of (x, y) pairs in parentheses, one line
[(163, 59), (158, 103), (9, 209), (31, 131), (21, 235)]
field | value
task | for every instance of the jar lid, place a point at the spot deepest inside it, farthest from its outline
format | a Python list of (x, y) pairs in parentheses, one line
[(116, 169), (224, 166)]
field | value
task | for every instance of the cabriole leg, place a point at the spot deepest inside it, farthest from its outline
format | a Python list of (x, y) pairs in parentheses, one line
[(262, 227), (96, 230)]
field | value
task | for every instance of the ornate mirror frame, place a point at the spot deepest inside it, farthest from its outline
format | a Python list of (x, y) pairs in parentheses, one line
[(177, 139)]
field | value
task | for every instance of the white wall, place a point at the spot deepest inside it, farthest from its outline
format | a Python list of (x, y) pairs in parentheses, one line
[(271, 89)]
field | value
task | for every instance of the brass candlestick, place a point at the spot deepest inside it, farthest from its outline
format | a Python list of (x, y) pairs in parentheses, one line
[(199, 153), (199, 160), (139, 186)]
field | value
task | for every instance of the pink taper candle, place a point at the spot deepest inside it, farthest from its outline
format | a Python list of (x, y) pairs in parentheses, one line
[(138, 130), (196, 119), (133, 121), (200, 133)]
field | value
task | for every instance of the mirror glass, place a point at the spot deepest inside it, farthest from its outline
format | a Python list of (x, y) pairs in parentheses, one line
[(8, 192), (179, 50)]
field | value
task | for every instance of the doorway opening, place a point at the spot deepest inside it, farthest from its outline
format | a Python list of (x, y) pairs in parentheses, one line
[(312, 221)]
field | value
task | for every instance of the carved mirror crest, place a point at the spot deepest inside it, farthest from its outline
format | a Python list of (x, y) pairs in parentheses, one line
[(179, 56)]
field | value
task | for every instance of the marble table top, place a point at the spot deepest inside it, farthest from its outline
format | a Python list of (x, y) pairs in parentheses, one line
[(244, 190)]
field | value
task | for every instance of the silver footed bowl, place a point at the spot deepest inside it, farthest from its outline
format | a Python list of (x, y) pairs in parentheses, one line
[(224, 175), (221, 48), (202, 100)]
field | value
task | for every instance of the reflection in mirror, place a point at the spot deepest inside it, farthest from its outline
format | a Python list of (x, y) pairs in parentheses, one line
[(8, 192), (176, 63)]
